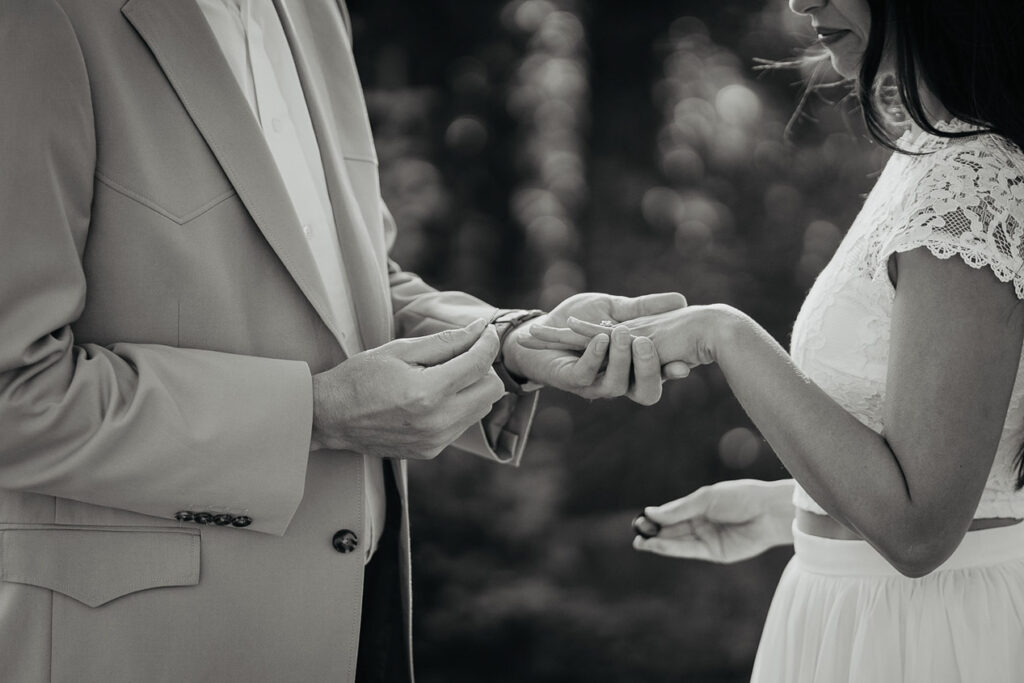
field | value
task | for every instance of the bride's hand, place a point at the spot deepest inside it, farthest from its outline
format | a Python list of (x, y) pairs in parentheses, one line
[(725, 522), (688, 336)]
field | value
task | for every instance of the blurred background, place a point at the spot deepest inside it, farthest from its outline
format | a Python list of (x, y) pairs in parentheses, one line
[(532, 149)]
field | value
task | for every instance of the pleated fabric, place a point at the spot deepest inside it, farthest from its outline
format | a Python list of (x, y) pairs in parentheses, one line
[(842, 614)]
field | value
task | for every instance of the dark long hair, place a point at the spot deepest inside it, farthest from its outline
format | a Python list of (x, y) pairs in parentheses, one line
[(968, 53)]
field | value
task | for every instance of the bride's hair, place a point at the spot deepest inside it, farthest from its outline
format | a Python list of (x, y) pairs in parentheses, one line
[(968, 53)]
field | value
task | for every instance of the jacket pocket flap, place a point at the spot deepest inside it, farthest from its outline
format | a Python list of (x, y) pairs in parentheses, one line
[(95, 566)]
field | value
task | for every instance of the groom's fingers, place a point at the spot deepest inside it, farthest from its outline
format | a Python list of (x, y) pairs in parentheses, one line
[(562, 335), (620, 357), (624, 308), (540, 345), (583, 372), (646, 389), (466, 368)]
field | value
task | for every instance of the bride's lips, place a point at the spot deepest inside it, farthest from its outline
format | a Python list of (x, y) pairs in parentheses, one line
[(831, 36)]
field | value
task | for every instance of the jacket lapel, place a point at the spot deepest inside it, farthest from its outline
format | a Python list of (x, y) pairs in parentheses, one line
[(187, 51), (319, 40)]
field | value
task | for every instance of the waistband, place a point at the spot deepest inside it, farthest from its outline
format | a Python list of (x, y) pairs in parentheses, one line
[(982, 548)]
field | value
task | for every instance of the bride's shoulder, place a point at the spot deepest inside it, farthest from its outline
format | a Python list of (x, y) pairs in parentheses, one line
[(976, 163), (961, 196)]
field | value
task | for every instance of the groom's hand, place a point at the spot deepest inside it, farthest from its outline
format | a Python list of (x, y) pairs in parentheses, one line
[(410, 398), (584, 372)]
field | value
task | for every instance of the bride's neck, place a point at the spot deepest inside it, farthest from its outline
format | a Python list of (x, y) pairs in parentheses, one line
[(933, 107)]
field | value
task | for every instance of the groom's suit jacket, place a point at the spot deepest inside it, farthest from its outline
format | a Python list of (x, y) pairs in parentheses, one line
[(160, 318)]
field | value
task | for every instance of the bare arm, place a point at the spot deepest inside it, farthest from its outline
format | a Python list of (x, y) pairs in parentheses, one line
[(912, 491), (954, 350)]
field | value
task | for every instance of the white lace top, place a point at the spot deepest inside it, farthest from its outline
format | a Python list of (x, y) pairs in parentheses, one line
[(966, 199)]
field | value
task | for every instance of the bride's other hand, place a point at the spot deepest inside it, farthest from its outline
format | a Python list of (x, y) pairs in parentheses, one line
[(725, 522)]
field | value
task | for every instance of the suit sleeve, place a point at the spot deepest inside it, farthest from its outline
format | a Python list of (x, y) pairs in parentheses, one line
[(145, 428), (420, 310)]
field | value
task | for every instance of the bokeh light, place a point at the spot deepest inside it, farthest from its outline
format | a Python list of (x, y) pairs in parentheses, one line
[(533, 149)]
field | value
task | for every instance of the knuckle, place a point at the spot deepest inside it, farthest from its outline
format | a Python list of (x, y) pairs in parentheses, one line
[(418, 399), (436, 423), (578, 382), (431, 452), (480, 366), (495, 389)]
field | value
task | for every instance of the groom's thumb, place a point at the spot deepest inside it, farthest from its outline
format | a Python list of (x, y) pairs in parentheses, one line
[(441, 347)]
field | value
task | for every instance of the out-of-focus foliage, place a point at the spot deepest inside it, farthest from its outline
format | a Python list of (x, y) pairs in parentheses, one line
[(531, 149)]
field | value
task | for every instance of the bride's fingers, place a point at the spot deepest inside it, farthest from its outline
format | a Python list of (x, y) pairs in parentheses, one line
[(692, 549), (676, 369), (540, 345), (686, 529), (676, 511), (584, 328)]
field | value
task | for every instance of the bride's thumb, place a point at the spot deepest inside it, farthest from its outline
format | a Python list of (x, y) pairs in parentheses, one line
[(680, 509)]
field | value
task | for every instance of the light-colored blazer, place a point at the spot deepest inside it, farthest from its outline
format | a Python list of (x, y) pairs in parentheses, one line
[(160, 318)]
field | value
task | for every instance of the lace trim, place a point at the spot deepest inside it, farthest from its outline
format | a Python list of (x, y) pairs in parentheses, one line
[(944, 250), (966, 201), (916, 140)]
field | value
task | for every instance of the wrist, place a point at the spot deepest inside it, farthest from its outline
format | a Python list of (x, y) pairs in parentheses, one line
[(726, 327), (321, 435), (510, 326), (512, 351)]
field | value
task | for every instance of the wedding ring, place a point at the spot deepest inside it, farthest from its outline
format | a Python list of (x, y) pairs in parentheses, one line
[(645, 527), (608, 323)]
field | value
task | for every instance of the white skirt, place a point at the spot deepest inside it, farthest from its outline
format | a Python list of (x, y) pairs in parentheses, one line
[(842, 614)]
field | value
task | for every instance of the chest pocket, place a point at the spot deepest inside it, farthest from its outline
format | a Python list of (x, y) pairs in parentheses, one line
[(179, 210)]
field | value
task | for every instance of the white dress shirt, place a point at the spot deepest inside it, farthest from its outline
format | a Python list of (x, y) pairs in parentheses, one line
[(253, 42)]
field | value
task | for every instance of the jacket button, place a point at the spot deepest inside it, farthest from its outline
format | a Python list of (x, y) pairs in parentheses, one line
[(223, 520), (203, 518), (241, 521), (345, 541), (184, 516)]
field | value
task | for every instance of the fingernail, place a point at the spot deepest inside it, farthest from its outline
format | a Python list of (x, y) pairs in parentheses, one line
[(620, 334), (644, 347), (646, 527), (602, 341), (476, 325)]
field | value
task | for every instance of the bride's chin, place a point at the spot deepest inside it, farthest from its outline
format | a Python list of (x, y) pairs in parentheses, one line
[(845, 65)]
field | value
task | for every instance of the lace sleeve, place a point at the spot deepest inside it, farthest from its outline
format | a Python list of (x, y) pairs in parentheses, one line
[(969, 202)]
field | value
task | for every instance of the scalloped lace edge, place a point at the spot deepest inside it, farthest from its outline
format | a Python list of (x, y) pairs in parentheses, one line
[(944, 250)]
